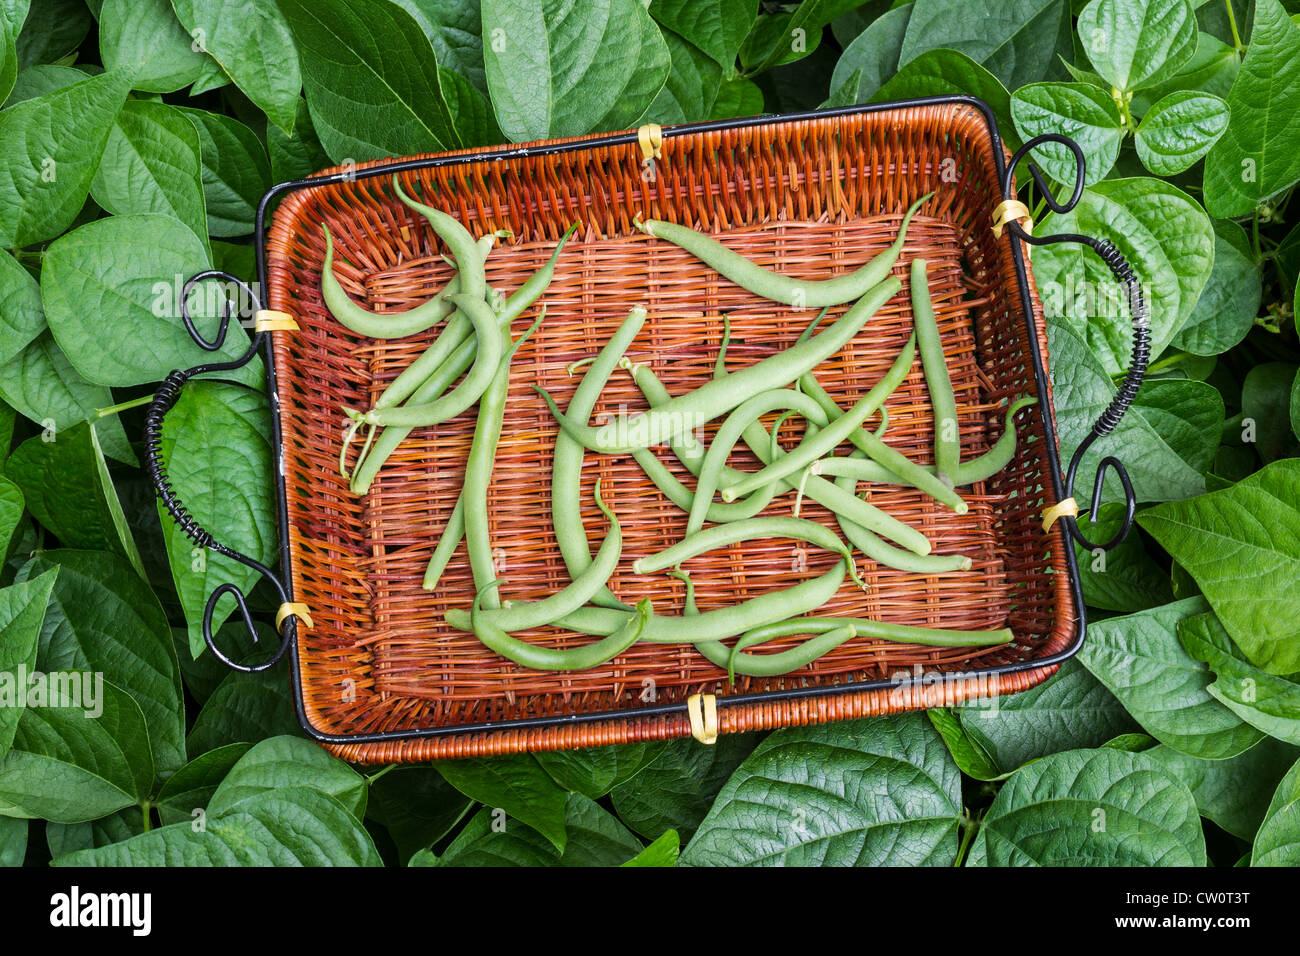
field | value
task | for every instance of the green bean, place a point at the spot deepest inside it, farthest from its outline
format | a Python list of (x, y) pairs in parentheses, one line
[(947, 436), (672, 488), (883, 553), (688, 449), (688, 602), (722, 535), (876, 630), (379, 325), (815, 446), (554, 659), (802, 293), (782, 662), (452, 536), (566, 462), (475, 383), (687, 412), (522, 615)]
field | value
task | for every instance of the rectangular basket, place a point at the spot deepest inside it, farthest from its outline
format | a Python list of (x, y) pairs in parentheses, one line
[(380, 677)]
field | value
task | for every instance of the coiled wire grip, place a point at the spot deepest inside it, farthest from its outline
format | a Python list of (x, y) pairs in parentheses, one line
[(165, 398), (1139, 315)]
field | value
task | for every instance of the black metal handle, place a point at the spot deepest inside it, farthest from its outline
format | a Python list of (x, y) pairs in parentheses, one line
[(164, 400), (1141, 350)]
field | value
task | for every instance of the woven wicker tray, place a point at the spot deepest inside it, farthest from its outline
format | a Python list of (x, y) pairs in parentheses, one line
[(380, 677)]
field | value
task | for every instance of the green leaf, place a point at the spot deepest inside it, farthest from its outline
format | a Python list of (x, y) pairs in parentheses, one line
[(738, 97), (1138, 657), (1266, 701), (1070, 709), (252, 43), (1179, 130), (1229, 303), (13, 841), (516, 785), (1124, 579), (236, 171), (22, 609), (596, 771), (789, 34), (1102, 807), (874, 792), (1266, 405), (662, 852), (53, 144), (691, 87), (1259, 154), (295, 826), (1137, 43), (296, 155), (202, 675), (717, 27), (125, 272), (1187, 414), (151, 165), (417, 807), (244, 707), (53, 29), (1210, 70), (62, 838), (371, 79), (596, 839), (191, 787), (1278, 841), (67, 487), (872, 58), (41, 79), (1084, 113), (558, 74), (971, 758), (676, 790), (21, 316), (8, 74), (69, 763), (1018, 41), (41, 383), (471, 111), (145, 37), (12, 506), (455, 29), (280, 763), (1242, 545), (103, 618)]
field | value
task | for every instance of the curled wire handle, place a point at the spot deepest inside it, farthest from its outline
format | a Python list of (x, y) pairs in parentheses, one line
[(1139, 315), (164, 400)]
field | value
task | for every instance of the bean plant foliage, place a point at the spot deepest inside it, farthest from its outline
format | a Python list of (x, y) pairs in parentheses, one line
[(136, 139)]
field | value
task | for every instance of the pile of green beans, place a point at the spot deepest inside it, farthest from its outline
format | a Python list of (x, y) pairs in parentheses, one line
[(469, 363)]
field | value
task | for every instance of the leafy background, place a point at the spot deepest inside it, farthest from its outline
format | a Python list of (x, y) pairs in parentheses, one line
[(135, 141)]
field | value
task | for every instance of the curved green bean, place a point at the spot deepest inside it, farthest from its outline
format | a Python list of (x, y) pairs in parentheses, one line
[(782, 662), (947, 436), (555, 659), (452, 535), (671, 487), (876, 630), (802, 293), (884, 553)]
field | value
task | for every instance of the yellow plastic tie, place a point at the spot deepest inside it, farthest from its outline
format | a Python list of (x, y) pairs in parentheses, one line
[(269, 320), (293, 609), (703, 711), (1010, 210), (651, 137), (1061, 509)]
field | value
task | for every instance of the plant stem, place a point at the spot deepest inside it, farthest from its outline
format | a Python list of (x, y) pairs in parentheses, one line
[(375, 776), (972, 824), (144, 811), (1232, 22), (123, 406)]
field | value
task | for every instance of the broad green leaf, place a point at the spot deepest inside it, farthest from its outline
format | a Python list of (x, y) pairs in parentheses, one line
[(245, 707), (692, 84), (64, 838), (298, 154), (850, 24), (41, 383), (596, 771), (283, 762), (1070, 709), (102, 617), (1229, 303), (79, 759), (53, 29), (125, 273), (252, 42), (1124, 579), (1138, 657), (1266, 409), (41, 79), (21, 316), (212, 77), (971, 758), (1259, 153), (1084, 113), (789, 34), (738, 97), (561, 74), (53, 144), (8, 74), (1103, 807), (874, 792), (12, 506), (216, 443), (151, 165), (295, 826), (596, 838), (1187, 414), (13, 841), (1234, 793), (144, 36), (718, 27), (1179, 130), (676, 790), (471, 111), (1137, 43), (202, 675), (1278, 841), (1018, 41), (236, 171), (192, 787), (416, 806), (67, 487), (516, 785), (872, 58), (662, 852), (22, 609), (1266, 701), (1210, 70), (371, 79), (1242, 545), (455, 29)]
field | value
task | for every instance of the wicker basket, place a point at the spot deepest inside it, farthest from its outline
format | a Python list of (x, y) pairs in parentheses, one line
[(380, 677)]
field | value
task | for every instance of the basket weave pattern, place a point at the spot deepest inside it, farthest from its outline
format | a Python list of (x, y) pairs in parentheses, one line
[(810, 198)]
